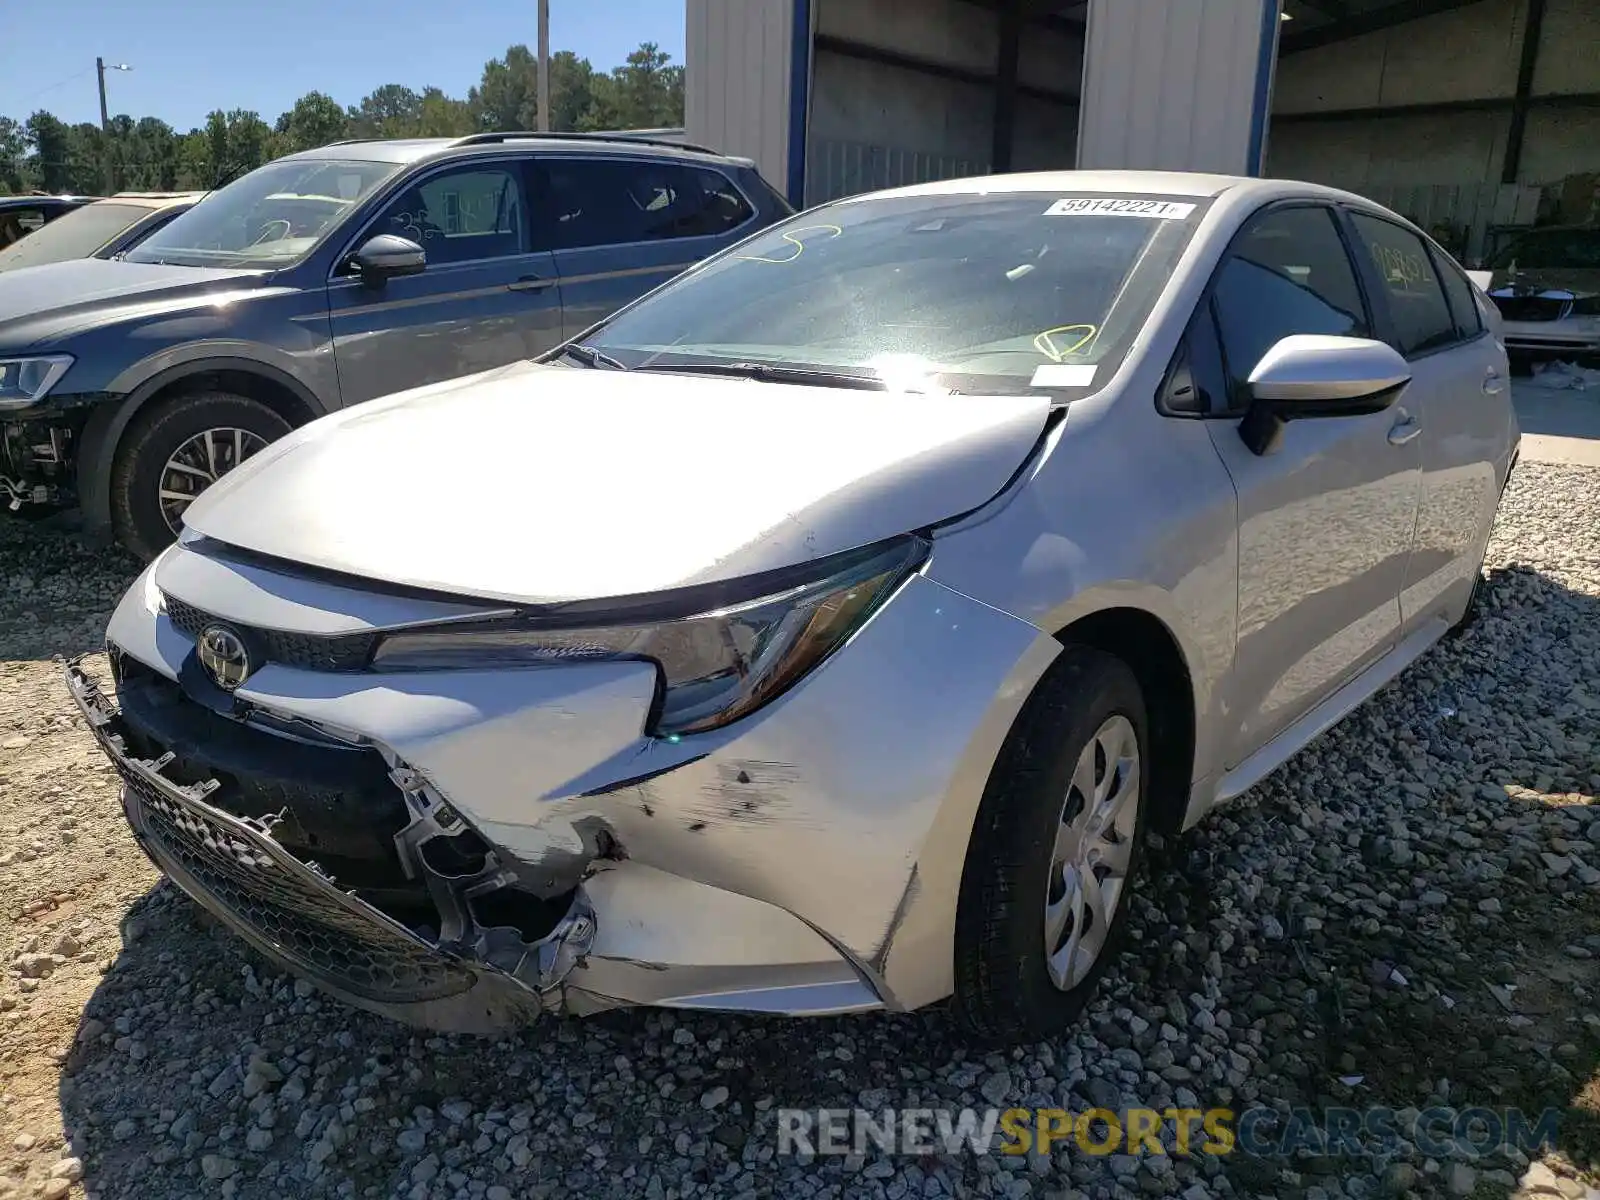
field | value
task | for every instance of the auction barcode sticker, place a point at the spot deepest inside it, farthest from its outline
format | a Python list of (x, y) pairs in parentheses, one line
[(1107, 206)]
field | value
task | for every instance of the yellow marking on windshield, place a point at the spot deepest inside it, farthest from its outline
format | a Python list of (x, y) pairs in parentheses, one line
[(1045, 342), (832, 231)]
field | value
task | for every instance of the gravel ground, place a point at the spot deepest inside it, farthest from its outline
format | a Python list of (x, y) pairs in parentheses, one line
[(1408, 914)]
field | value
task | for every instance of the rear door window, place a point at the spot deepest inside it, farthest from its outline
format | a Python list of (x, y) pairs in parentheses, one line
[(1458, 290), (1417, 305), (608, 202)]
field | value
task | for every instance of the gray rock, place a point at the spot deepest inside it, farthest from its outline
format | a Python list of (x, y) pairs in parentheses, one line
[(996, 1087)]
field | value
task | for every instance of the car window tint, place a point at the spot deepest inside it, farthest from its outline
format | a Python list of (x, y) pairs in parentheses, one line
[(17, 223), (1422, 319), (461, 216), (1287, 272), (1461, 294), (597, 202)]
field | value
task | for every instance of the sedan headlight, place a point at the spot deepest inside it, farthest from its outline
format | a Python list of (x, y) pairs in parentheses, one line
[(24, 381), (714, 666)]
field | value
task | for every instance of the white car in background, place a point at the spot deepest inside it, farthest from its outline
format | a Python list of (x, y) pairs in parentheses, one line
[(1546, 285), (824, 631)]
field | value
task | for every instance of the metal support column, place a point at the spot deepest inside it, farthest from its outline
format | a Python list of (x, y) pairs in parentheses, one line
[(1178, 87), (1532, 31), (1005, 86)]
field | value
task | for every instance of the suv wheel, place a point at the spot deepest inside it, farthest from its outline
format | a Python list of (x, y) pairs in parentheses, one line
[(1045, 891), (172, 452)]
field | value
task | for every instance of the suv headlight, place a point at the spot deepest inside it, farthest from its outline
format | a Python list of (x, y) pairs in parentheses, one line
[(24, 381), (714, 666)]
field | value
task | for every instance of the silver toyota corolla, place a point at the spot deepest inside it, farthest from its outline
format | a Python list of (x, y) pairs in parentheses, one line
[(826, 630)]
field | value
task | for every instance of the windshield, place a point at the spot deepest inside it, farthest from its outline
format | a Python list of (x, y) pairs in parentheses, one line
[(997, 294), (269, 218), (76, 234), (1556, 250)]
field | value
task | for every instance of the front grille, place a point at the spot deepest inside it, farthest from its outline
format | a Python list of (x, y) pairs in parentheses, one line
[(298, 913), (1533, 308), (307, 651)]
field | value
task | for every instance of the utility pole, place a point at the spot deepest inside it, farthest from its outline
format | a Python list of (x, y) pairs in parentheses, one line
[(544, 66), (100, 70)]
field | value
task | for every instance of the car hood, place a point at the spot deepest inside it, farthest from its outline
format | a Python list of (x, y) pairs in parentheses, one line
[(546, 484), (69, 295), (1575, 283)]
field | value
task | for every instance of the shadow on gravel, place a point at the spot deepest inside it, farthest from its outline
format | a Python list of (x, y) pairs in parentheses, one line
[(1407, 916)]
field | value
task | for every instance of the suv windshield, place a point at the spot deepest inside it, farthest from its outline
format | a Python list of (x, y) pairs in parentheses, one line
[(270, 218), (1556, 249), (76, 234), (986, 294)]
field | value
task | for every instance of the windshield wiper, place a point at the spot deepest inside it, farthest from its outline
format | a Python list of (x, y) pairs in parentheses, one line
[(590, 357), (773, 373)]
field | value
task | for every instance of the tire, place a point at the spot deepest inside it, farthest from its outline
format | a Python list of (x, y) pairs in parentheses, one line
[(138, 515), (1004, 986)]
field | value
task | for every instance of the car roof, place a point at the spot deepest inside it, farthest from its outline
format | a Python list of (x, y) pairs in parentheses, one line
[(1164, 183), (410, 150), (35, 201), (152, 200)]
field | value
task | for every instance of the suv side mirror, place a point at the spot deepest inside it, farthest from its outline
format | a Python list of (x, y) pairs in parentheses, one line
[(387, 256), (1312, 375)]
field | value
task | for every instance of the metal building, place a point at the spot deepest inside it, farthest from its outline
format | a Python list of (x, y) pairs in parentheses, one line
[(1457, 111)]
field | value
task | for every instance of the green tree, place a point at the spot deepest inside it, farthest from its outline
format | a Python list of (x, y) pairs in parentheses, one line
[(643, 93), (87, 162), (196, 168), (13, 155), (250, 140), (51, 140), (146, 153), (315, 120), (389, 112), (154, 163), (443, 116), (571, 90), (507, 97)]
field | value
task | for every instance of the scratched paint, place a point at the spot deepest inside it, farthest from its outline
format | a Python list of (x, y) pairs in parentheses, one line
[(748, 790)]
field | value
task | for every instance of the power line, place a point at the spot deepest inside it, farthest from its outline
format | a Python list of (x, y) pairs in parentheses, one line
[(59, 83)]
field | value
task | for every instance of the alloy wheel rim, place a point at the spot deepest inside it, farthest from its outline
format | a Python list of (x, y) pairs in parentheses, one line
[(198, 463), (1092, 852)]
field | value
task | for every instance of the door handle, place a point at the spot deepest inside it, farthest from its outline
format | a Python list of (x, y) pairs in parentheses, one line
[(1404, 430), (1493, 382), (529, 283)]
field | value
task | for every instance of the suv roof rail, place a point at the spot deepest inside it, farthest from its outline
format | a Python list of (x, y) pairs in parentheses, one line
[(481, 139)]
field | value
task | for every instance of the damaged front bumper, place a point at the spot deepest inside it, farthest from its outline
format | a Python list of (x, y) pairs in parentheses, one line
[(301, 918), (36, 465), (522, 826)]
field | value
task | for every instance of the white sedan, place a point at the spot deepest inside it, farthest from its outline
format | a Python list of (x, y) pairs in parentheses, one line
[(825, 630)]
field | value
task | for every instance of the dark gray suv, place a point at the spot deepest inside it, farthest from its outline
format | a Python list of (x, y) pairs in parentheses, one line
[(325, 279)]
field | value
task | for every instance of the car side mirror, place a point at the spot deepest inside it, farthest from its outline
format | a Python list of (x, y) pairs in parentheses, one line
[(387, 256), (1306, 376)]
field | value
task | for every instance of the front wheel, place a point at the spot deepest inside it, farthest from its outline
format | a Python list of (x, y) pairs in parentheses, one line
[(172, 452), (1058, 838)]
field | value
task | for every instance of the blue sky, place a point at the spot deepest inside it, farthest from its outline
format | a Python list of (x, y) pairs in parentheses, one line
[(191, 56)]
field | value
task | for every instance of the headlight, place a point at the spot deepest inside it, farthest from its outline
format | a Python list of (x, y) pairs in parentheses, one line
[(23, 381), (715, 666)]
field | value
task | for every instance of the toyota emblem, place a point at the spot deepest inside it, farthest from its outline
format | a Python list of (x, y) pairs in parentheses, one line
[(223, 654)]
